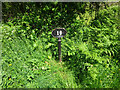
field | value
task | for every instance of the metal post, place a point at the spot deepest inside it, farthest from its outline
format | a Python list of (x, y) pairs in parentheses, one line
[(59, 49)]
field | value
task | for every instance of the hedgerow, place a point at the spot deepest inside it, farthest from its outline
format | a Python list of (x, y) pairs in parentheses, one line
[(90, 50)]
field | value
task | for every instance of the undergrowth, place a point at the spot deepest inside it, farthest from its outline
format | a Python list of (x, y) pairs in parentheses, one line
[(90, 54)]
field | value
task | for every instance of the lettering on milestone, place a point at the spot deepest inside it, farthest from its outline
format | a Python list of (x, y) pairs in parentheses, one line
[(59, 32)]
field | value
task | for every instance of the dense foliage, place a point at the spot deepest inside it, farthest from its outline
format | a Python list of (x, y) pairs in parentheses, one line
[(90, 49)]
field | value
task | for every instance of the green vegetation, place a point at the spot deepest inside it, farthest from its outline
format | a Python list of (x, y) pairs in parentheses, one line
[(90, 49)]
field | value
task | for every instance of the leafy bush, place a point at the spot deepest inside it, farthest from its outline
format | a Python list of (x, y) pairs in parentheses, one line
[(90, 52)]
